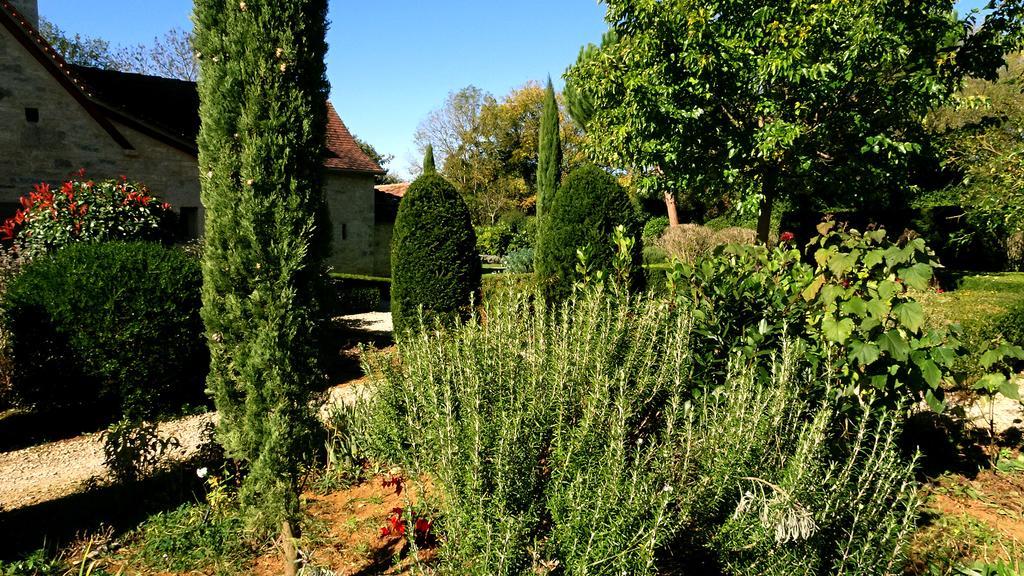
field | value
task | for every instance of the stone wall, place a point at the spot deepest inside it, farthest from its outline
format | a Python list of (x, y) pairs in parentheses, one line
[(350, 199), (47, 135)]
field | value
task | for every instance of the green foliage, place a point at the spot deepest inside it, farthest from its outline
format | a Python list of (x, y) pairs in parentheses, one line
[(519, 261), (112, 328), (576, 435), (980, 133), (1011, 325), (428, 160), (513, 231), (752, 101), (132, 450), (497, 287), (355, 294), (744, 299), (863, 302), (434, 262), (854, 309), (38, 563), (263, 105), (488, 147), (195, 537), (582, 215), (653, 229), (998, 568), (86, 211), (549, 156)]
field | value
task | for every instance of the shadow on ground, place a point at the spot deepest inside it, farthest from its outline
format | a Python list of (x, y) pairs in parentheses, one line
[(58, 522), (346, 337)]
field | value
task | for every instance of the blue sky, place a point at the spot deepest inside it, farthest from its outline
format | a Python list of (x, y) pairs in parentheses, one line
[(392, 61)]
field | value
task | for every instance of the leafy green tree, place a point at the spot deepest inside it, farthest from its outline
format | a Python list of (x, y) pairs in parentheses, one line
[(580, 218), (428, 160), (549, 157), (794, 99), (980, 136), (382, 160), (434, 260), (263, 95), (489, 147)]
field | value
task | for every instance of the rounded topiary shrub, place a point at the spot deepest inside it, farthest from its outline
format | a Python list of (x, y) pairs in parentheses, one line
[(434, 260), (584, 212), (108, 329)]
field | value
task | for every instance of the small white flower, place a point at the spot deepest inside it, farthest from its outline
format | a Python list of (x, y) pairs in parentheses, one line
[(202, 472)]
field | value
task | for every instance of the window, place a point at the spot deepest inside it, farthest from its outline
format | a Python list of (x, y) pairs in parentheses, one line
[(32, 115), (188, 223)]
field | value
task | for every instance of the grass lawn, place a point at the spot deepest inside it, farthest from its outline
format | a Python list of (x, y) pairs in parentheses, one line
[(976, 300)]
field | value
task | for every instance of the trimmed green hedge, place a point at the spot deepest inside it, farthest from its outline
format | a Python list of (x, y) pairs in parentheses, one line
[(108, 327), (434, 260), (585, 210), (356, 293)]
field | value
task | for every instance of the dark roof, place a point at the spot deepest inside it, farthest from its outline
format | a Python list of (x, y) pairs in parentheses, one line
[(163, 108), (164, 104)]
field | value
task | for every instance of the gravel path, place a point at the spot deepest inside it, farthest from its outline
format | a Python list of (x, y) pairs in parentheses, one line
[(56, 469), (50, 471)]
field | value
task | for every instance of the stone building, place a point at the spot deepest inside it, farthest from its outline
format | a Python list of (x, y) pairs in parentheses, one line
[(57, 118)]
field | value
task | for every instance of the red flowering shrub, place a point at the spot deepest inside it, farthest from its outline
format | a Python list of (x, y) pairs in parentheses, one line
[(84, 210)]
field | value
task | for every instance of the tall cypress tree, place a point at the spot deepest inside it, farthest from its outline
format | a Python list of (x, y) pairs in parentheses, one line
[(263, 94), (428, 160), (549, 158)]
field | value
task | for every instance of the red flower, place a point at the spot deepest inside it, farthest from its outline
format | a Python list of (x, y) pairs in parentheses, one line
[(165, 206), (422, 527), (786, 237)]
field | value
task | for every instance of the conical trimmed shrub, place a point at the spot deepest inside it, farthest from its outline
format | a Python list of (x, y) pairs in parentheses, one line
[(263, 104), (429, 167), (584, 212), (434, 261)]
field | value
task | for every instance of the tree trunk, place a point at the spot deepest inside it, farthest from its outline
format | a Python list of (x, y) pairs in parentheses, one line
[(670, 207), (288, 551), (764, 217)]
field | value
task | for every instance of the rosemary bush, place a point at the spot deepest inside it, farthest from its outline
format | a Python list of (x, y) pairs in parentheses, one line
[(572, 440)]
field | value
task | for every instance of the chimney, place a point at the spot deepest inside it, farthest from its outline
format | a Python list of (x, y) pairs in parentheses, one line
[(29, 9)]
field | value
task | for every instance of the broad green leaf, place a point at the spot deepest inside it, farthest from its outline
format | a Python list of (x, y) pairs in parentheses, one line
[(917, 276), (822, 255), (837, 331), (855, 306), (864, 352), (826, 227), (830, 293), (878, 308), (887, 289), (873, 258), (840, 264), (990, 358), (1011, 390), (894, 255), (811, 292), (894, 343), (991, 383), (911, 315), (877, 236), (937, 406), (930, 372)]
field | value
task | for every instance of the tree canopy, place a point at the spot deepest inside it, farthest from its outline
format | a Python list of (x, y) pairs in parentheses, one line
[(488, 148), (753, 101), (170, 56)]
